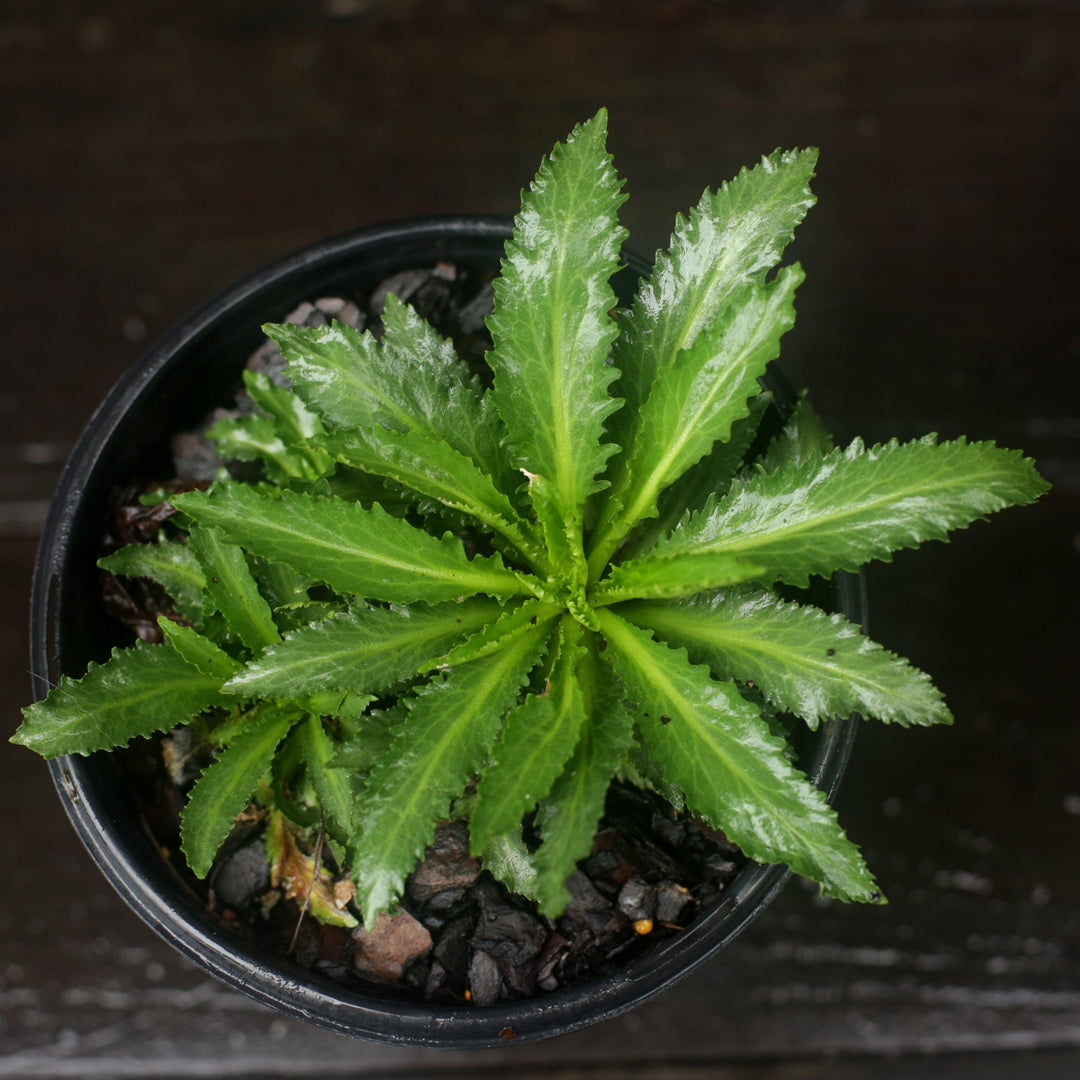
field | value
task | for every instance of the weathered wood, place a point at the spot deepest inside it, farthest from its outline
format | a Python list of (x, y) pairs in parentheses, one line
[(152, 156)]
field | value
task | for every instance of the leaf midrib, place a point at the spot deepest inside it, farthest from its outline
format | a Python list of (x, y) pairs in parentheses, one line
[(449, 736), (656, 478), (354, 373), (495, 574), (712, 288), (722, 637), (830, 518), (747, 781)]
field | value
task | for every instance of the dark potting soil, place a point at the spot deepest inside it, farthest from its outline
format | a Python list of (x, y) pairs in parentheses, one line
[(459, 934)]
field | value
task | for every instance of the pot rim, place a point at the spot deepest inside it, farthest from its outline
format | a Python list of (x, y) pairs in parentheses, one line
[(153, 889)]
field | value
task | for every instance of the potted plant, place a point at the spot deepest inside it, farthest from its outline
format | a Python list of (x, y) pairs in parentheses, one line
[(440, 598)]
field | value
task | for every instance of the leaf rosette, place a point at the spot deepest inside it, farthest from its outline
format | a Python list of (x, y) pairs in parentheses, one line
[(576, 567)]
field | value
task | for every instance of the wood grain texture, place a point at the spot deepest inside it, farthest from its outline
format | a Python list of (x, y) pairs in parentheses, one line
[(151, 156)]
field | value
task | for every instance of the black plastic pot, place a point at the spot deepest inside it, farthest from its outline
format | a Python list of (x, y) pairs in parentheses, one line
[(191, 369)]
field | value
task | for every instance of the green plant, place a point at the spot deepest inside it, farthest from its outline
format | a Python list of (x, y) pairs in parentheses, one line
[(570, 576)]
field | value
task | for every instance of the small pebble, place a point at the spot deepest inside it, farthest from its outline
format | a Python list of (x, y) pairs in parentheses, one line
[(393, 940), (637, 900), (485, 982), (671, 899), (244, 876)]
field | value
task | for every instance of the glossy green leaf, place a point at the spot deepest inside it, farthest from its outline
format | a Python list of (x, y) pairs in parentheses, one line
[(452, 722), (710, 477), (137, 691), (231, 588), (256, 438), (433, 468), (538, 738), (199, 651), (655, 578), (363, 650), (508, 860), (352, 549), (226, 785), (339, 704), (172, 564), (468, 420), (353, 485), (298, 425), (282, 586), (374, 737), (803, 436), (517, 618), (413, 382), (804, 661), (715, 745), (705, 389), (332, 786), (854, 505), (561, 533), (551, 324), (730, 239), (568, 817), (285, 436)]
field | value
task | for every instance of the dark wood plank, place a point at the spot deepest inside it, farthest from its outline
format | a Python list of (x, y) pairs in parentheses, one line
[(152, 156)]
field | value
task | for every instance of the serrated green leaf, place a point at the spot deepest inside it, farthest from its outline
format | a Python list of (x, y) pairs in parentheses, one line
[(710, 477), (704, 391), (802, 436), (658, 578), (298, 426), (414, 382), (353, 485), (282, 586), (137, 691), (568, 817), (231, 588), (508, 860), (562, 534), (451, 725), (433, 468), (352, 549), (226, 785), (374, 737), (199, 651), (539, 736), (814, 665), (333, 790), (469, 421), (717, 748), (515, 619), (255, 438), (363, 650), (293, 617), (551, 324), (642, 771), (171, 564), (340, 373), (731, 238), (854, 505), (347, 705)]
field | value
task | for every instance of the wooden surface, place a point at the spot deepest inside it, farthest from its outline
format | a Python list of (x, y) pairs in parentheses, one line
[(151, 154)]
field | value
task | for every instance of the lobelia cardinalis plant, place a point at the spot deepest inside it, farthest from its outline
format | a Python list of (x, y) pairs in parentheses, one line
[(446, 601)]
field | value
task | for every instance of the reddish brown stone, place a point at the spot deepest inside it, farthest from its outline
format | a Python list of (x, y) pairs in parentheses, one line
[(383, 951)]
